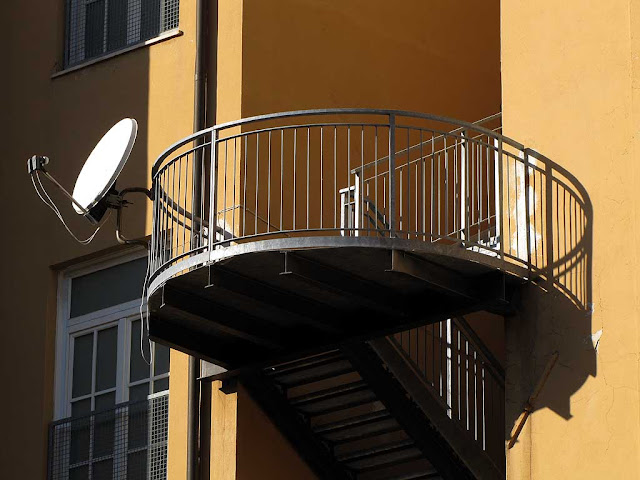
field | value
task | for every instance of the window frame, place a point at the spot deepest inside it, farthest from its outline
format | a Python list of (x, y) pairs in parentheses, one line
[(67, 328)]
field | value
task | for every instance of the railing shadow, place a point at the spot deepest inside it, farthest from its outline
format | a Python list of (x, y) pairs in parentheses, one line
[(556, 306)]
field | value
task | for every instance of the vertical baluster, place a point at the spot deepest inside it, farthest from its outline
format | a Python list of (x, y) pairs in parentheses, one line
[(213, 188), (255, 213), (499, 204), (245, 176), (392, 174), (234, 204), (375, 174), (295, 158), (281, 177), (308, 140), (269, 185), (321, 176), (224, 195)]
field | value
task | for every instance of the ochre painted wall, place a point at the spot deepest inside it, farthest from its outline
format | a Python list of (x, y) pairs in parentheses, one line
[(63, 118), (570, 82), (437, 57), (262, 451)]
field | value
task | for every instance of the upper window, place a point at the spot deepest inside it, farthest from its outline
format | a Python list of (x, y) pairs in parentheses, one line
[(99, 27)]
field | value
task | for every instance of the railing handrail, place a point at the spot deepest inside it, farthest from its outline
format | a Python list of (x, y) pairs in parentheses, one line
[(333, 111), (117, 406), (487, 357)]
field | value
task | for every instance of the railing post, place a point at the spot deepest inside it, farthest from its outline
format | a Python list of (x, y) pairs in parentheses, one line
[(549, 220), (527, 213), (213, 189), (464, 189), (500, 202), (392, 175)]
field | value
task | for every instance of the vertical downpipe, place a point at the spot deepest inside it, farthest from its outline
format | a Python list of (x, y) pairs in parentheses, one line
[(198, 124)]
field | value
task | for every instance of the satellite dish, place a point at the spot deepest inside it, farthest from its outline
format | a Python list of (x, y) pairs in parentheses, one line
[(95, 190), (100, 171)]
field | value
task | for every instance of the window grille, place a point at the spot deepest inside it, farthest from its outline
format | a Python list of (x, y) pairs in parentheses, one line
[(98, 27), (128, 441)]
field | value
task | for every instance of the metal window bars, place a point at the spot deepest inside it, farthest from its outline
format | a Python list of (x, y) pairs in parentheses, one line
[(128, 441), (98, 27), (367, 173)]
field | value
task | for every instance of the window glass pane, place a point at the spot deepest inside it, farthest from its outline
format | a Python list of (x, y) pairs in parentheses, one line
[(150, 19), (161, 359), (137, 465), (106, 358), (81, 408), (80, 431), (161, 385), (79, 473), (103, 470), (138, 367), (105, 401), (104, 425), (104, 288), (82, 365), (117, 24), (94, 28), (139, 392)]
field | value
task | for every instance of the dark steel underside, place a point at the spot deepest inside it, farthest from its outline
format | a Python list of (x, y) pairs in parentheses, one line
[(251, 309)]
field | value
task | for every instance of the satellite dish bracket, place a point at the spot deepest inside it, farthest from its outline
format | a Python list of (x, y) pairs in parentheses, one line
[(119, 203)]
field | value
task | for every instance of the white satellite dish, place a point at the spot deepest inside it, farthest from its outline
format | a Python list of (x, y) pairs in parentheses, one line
[(103, 166), (94, 191)]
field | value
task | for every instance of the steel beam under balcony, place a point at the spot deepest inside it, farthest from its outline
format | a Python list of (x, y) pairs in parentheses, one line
[(365, 293), (219, 317)]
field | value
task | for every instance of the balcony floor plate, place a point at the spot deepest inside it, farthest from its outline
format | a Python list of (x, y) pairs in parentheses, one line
[(263, 304)]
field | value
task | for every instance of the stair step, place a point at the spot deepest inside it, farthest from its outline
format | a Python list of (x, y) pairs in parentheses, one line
[(303, 363), (367, 426), (376, 451), (303, 375), (352, 421), (420, 469), (333, 399)]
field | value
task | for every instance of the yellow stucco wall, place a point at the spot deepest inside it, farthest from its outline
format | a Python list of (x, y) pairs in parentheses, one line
[(570, 78), (63, 118)]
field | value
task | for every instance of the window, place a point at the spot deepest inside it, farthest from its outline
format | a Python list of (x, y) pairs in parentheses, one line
[(111, 383), (99, 27)]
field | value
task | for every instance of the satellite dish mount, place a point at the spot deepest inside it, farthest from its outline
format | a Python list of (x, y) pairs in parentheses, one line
[(94, 192)]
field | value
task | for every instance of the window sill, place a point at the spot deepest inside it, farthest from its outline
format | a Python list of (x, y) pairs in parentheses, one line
[(160, 38)]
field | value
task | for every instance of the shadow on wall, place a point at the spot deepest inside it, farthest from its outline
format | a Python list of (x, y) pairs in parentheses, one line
[(556, 307)]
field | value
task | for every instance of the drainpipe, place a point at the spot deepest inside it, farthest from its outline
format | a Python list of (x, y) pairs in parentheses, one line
[(199, 120)]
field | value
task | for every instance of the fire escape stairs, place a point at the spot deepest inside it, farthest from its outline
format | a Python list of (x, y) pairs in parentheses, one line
[(360, 413)]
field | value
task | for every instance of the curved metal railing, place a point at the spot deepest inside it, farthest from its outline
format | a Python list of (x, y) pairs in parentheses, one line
[(363, 173)]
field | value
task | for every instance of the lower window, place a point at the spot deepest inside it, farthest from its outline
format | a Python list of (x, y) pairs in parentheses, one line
[(113, 384)]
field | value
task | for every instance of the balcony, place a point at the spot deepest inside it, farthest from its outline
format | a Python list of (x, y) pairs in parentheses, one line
[(128, 441), (284, 233)]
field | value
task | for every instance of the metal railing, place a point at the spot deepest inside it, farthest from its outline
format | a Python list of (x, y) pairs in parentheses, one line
[(366, 173), (457, 368), (128, 441)]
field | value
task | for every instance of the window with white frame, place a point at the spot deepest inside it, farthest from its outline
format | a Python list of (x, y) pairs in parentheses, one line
[(111, 383), (99, 27)]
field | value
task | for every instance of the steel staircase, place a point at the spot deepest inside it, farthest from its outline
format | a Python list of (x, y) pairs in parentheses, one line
[(362, 412)]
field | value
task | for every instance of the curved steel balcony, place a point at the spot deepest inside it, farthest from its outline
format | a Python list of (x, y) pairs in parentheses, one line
[(288, 231)]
